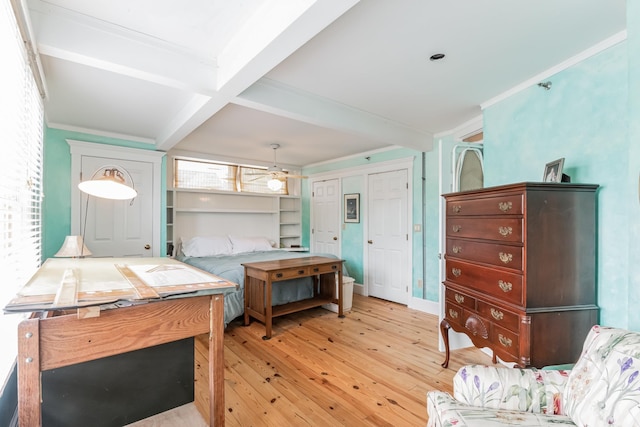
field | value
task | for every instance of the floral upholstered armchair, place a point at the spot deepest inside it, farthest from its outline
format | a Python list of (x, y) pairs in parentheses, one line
[(602, 389)]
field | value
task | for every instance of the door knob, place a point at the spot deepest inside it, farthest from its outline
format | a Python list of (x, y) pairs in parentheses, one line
[(147, 247), (370, 242), (335, 238)]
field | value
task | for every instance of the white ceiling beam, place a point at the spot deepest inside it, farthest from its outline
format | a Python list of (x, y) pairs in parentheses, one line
[(109, 47), (246, 71), (286, 101)]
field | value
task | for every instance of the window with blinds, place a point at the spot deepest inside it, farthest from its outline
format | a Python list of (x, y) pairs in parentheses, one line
[(21, 122), (198, 174)]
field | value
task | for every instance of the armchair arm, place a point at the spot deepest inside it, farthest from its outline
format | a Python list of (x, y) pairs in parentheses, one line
[(529, 390)]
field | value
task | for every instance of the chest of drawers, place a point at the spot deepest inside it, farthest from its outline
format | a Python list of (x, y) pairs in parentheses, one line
[(521, 270)]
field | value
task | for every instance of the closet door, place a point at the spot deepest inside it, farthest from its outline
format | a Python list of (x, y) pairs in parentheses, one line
[(388, 236), (326, 217)]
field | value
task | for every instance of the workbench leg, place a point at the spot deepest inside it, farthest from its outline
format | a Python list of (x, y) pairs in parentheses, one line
[(216, 362), (29, 386)]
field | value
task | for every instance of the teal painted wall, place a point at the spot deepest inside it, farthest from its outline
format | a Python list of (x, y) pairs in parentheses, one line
[(633, 48), (56, 205), (353, 233), (583, 118), (352, 247)]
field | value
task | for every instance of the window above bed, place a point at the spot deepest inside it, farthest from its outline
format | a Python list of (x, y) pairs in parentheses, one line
[(202, 174)]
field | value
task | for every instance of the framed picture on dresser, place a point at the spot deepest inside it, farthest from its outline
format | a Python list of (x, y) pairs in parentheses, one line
[(553, 171)]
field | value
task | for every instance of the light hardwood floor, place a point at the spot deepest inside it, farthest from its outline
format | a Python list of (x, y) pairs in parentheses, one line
[(371, 368)]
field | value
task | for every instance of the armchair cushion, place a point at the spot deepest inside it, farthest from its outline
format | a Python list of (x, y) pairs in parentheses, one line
[(604, 385), (445, 411), (529, 390)]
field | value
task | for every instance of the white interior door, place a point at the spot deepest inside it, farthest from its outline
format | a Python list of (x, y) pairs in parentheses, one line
[(119, 228), (326, 217), (388, 236)]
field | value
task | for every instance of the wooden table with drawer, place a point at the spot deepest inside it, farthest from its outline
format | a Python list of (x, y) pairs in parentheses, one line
[(259, 277), (520, 270)]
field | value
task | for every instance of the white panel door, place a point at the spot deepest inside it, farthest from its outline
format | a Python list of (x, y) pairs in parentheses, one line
[(119, 228), (388, 236), (326, 217)]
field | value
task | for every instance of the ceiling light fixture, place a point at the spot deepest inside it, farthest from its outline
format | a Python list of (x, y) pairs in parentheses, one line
[(274, 184), (436, 56)]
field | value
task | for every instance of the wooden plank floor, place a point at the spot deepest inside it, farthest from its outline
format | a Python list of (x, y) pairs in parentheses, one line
[(371, 368)]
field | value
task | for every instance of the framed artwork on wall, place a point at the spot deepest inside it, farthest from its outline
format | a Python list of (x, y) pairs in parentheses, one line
[(553, 171), (352, 207)]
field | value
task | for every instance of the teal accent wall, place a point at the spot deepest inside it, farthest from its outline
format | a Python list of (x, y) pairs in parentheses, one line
[(56, 205), (633, 179), (353, 232), (585, 119)]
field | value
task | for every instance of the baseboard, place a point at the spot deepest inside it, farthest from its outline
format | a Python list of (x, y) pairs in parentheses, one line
[(431, 307)]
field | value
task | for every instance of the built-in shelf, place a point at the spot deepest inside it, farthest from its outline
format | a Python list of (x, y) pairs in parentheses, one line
[(212, 212)]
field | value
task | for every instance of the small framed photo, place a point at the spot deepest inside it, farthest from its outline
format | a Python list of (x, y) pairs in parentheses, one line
[(352, 207), (553, 171)]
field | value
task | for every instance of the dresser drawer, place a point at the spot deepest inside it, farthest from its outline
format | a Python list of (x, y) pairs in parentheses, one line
[(499, 316), (506, 341), (327, 268), (489, 253), (499, 229), (289, 273), (498, 283), (454, 313), (460, 298), (510, 204)]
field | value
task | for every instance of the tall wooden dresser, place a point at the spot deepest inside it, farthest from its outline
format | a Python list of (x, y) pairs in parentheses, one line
[(521, 270)]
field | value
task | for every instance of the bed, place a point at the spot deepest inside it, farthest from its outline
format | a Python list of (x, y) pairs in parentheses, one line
[(224, 256)]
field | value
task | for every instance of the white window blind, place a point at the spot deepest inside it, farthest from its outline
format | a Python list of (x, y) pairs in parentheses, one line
[(20, 187)]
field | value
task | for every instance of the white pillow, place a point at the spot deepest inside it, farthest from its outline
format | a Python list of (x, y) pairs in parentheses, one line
[(206, 246), (249, 244)]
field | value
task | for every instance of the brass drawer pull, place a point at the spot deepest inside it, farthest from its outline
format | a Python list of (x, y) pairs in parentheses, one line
[(456, 228), (334, 267), (497, 314), (457, 249), (504, 340), (278, 275), (459, 298), (456, 208), (505, 206), (506, 258), (505, 231), (300, 271), (453, 314), (316, 269), (456, 272), (505, 286)]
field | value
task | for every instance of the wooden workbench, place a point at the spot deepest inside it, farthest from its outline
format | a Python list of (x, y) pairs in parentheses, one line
[(86, 309)]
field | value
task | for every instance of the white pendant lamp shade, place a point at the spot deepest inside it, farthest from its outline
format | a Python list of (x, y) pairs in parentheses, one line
[(111, 185), (274, 184), (73, 247)]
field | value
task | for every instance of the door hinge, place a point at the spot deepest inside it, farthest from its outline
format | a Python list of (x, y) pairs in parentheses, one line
[(407, 184), (313, 194), (407, 237), (313, 230)]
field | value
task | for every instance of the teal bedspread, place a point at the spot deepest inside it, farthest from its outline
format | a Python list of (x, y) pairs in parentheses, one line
[(229, 267)]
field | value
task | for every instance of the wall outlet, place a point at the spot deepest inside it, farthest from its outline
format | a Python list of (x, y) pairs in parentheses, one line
[(417, 227)]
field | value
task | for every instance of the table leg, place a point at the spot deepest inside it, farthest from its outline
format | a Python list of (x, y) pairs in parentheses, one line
[(246, 298), (340, 295), (268, 316), (216, 362), (29, 386)]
